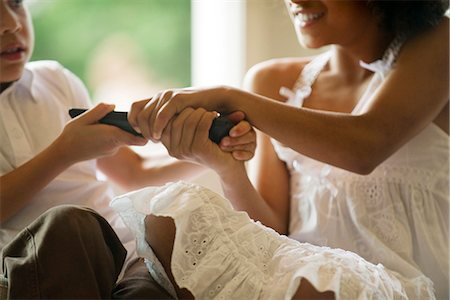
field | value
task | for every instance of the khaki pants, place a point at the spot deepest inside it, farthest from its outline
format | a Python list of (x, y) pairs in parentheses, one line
[(72, 253)]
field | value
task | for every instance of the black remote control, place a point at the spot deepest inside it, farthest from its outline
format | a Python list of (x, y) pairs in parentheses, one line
[(219, 129), (116, 118)]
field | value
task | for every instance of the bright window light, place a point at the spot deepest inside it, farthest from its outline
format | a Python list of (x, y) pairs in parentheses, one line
[(218, 42)]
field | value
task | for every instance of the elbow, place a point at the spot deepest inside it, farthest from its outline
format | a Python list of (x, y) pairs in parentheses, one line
[(366, 162), (366, 157), (364, 167)]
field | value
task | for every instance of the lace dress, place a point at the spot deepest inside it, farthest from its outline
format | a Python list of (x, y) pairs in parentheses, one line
[(398, 215), (223, 254)]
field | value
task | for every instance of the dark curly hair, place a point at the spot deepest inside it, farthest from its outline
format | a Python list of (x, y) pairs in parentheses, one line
[(408, 17)]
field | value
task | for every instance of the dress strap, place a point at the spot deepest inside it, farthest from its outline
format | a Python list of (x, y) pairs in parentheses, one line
[(386, 63), (302, 87), (381, 68)]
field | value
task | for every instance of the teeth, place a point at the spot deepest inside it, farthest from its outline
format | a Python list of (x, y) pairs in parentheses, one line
[(309, 17), (12, 50)]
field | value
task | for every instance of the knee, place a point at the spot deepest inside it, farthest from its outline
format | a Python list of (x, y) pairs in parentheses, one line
[(69, 215), (69, 220)]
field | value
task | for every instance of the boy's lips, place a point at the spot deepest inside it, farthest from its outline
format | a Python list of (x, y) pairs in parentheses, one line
[(12, 53)]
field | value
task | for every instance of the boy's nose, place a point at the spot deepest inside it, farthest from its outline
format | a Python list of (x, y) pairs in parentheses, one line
[(9, 21)]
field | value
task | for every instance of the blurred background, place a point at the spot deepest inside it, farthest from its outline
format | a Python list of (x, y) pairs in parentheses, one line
[(125, 50)]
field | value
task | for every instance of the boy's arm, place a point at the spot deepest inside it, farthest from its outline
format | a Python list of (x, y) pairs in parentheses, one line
[(132, 171), (18, 187), (82, 139)]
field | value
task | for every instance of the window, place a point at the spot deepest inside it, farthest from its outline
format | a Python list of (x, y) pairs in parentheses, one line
[(122, 50)]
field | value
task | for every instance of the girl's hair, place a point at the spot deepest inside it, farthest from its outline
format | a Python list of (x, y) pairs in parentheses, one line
[(408, 17)]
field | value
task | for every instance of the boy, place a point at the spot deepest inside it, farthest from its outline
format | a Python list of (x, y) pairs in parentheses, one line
[(44, 163)]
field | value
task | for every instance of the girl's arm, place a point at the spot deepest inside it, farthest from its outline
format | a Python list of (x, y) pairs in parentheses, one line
[(410, 98)]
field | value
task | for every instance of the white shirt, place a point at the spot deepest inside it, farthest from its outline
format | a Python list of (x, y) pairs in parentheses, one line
[(33, 112)]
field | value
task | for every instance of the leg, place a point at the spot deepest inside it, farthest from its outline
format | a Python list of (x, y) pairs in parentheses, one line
[(307, 291), (161, 237), (137, 283), (68, 252)]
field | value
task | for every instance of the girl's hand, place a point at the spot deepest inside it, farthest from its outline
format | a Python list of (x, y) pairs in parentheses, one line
[(84, 138), (151, 116)]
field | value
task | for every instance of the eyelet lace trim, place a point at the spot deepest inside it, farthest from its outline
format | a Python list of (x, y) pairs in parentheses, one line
[(222, 254)]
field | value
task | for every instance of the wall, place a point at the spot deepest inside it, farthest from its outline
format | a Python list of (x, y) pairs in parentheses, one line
[(230, 36)]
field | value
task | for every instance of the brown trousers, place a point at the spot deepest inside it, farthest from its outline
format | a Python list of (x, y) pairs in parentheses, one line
[(72, 252)]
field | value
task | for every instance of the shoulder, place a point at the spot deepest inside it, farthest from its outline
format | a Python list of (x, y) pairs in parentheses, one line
[(434, 41), (45, 68), (50, 71), (51, 77), (266, 78)]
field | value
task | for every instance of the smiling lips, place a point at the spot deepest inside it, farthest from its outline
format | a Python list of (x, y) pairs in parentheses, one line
[(307, 18)]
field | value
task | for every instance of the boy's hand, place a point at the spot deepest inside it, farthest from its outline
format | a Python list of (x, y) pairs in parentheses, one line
[(84, 138)]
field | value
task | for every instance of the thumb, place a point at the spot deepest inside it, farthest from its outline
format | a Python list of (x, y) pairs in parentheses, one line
[(96, 113)]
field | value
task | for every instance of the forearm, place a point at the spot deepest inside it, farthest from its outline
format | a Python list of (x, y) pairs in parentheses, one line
[(244, 197), (168, 170), (132, 171), (18, 187), (339, 139)]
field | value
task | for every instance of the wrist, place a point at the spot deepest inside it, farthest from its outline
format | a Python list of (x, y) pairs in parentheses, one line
[(235, 172), (61, 152)]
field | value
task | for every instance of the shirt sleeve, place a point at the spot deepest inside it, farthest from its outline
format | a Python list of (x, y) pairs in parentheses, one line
[(79, 94)]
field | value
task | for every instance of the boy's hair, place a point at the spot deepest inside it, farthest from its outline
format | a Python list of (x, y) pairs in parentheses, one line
[(408, 17)]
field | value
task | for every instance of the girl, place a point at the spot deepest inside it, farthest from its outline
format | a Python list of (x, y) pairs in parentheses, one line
[(358, 160)]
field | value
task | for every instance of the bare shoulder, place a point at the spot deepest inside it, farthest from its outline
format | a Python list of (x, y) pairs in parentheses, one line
[(433, 42), (266, 78)]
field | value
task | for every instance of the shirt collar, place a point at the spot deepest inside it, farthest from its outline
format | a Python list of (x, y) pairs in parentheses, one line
[(26, 81)]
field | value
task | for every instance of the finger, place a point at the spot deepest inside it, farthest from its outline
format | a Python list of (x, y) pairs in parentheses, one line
[(94, 114), (204, 125), (250, 147), (164, 97), (165, 112), (136, 108), (166, 137), (236, 116), (190, 130), (242, 155), (249, 137), (120, 137), (180, 129), (242, 128), (143, 117)]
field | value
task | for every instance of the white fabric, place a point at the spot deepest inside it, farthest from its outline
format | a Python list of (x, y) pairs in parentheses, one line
[(222, 254), (33, 112), (398, 215)]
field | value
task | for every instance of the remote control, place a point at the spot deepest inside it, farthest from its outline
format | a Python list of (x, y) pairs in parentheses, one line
[(219, 129), (116, 118)]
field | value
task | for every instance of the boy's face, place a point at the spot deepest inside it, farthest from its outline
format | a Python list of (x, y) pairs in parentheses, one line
[(16, 39)]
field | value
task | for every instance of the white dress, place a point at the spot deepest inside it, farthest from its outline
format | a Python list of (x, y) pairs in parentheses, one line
[(223, 254), (398, 215)]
